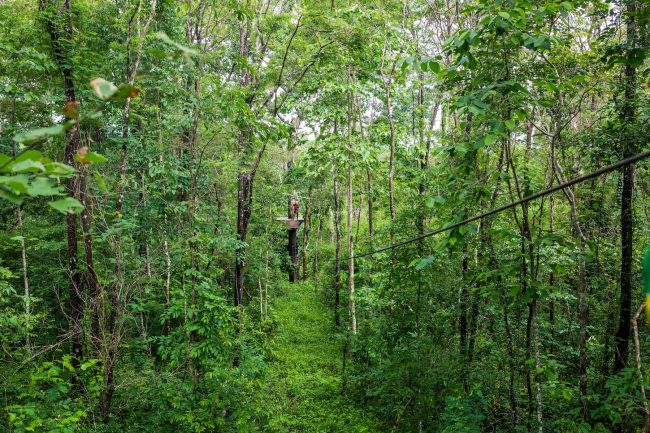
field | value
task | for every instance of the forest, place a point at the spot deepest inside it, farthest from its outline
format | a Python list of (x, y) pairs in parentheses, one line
[(324, 216)]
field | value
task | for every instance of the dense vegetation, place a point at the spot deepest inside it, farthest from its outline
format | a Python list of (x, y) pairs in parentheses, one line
[(147, 146)]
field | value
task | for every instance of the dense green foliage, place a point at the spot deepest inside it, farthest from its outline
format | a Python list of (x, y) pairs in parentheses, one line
[(147, 146)]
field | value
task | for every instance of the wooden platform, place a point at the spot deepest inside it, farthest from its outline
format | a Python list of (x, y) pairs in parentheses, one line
[(292, 223)]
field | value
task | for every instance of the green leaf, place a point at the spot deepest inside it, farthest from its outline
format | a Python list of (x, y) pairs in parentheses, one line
[(567, 5), (100, 180), (27, 166), (423, 263), (430, 65), (18, 183), (36, 135), (10, 195), (67, 205), (58, 169), (104, 89), (43, 186), (504, 15), (510, 124), (521, 115), (405, 63), (29, 154), (126, 91), (90, 158), (490, 139)]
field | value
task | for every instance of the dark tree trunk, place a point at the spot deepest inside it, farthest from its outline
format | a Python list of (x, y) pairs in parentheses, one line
[(462, 321), (60, 38), (91, 278), (244, 209), (627, 115), (245, 177), (625, 301)]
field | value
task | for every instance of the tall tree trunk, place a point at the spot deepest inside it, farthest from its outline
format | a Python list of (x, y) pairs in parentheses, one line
[(351, 288), (92, 281), (305, 235), (337, 254), (245, 177), (583, 306), (627, 114), (168, 280), (370, 207), (462, 320), (424, 159), (350, 228), (60, 38), (391, 166), (113, 338), (23, 259), (528, 277), (551, 277)]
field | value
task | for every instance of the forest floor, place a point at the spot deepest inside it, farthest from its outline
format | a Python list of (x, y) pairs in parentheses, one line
[(305, 392)]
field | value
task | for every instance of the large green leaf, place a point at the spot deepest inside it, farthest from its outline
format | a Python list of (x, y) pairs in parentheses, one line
[(67, 205), (9, 195), (36, 135), (43, 186), (18, 183), (27, 166)]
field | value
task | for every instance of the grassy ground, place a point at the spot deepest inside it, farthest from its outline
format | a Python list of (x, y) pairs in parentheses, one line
[(305, 390)]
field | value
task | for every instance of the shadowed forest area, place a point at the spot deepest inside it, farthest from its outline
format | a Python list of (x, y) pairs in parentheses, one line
[(324, 216)]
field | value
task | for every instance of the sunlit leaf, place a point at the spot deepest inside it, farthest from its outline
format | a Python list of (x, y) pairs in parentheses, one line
[(104, 89), (27, 166)]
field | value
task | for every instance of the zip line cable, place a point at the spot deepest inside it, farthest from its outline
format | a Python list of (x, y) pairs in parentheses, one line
[(622, 163)]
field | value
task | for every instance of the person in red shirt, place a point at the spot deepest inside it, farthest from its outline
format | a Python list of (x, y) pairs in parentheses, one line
[(296, 208)]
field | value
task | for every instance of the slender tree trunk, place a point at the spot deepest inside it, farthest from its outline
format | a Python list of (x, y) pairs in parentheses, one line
[(351, 288), (551, 277), (424, 159), (644, 402), (144, 246), (538, 366), (350, 228), (26, 301), (370, 207), (391, 166), (337, 254), (168, 279), (113, 337), (514, 414), (305, 235)]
